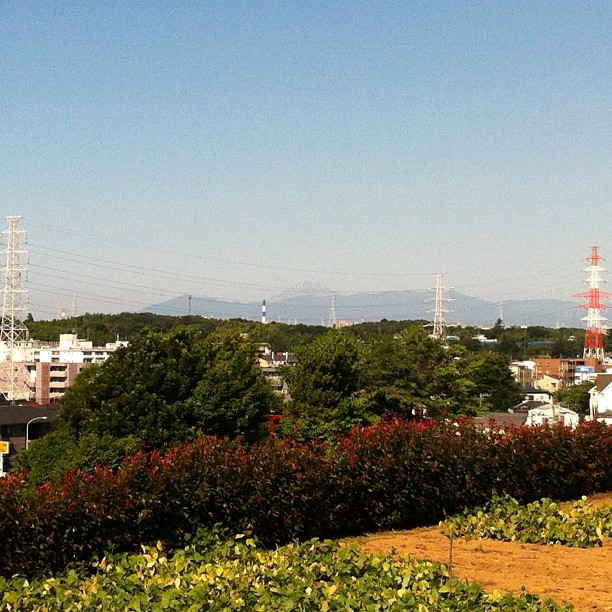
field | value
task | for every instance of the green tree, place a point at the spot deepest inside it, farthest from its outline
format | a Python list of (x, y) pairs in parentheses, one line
[(325, 386), (232, 397), (494, 385), (160, 389), (169, 387), (400, 370), (58, 452), (565, 348), (140, 390), (575, 397)]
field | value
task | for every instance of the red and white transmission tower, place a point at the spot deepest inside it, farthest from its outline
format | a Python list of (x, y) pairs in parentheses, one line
[(439, 310), (594, 340)]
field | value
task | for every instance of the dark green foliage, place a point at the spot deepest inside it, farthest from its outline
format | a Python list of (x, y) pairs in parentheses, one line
[(406, 371), (231, 397), (515, 342), (160, 389), (493, 381), (327, 372), (103, 328), (286, 337), (340, 381), (59, 452), (326, 386), (375, 329), (164, 388), (566, 349), (140, 390)]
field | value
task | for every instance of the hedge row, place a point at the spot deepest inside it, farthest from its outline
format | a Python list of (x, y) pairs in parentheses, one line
[(391, 475)]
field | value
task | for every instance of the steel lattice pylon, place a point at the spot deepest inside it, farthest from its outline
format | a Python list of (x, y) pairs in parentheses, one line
[(13, 328), (13, 331), (596, 329), (439, 310)]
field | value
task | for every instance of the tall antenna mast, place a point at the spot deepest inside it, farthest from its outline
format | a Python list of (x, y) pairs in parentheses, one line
[(439, 310), (13, 331), (594, 339)]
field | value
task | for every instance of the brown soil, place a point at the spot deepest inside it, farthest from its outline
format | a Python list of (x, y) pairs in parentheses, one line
[(582, 577)]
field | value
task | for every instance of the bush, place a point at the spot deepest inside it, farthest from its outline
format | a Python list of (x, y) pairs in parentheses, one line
[(389, 475), (236, 574), (540, 522)]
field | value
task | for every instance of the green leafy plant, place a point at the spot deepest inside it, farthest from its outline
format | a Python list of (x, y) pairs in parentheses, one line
[(540, 522), (218, 574)]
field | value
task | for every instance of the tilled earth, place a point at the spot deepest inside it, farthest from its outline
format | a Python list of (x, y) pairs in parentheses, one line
[(582, 577)]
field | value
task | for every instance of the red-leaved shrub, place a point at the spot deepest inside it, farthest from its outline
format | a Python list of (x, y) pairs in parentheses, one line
[(390, 475)]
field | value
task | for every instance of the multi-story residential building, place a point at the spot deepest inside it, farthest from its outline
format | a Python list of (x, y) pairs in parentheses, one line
[(568, 371), (42, 371)]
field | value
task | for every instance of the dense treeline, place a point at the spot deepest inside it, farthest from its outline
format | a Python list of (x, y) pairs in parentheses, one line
[(167, 387), (341, 380), (515, 342)]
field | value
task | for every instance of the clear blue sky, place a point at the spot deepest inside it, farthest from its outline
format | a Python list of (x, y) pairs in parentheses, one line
[(236, 149)]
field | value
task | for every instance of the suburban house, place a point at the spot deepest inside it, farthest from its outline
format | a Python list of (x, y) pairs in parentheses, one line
[(533, 398), (537, 395), (270, 361), (540, 415), (600, 402), (550, 382), (552, 414)]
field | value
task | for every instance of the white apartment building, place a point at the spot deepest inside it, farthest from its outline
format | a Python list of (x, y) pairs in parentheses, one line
[(42, 371)]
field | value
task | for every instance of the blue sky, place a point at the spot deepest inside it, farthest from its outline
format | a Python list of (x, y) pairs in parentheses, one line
[(236, 149)]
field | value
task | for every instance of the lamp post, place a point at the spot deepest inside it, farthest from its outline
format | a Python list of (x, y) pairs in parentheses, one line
[(40, 418)]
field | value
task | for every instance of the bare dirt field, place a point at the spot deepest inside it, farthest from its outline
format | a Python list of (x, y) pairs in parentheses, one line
[(582, 577)]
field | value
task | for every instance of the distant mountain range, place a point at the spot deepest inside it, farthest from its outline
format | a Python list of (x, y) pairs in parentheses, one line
[(312, 305)]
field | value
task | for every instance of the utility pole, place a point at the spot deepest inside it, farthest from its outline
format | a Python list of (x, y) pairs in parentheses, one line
[(439, 310)]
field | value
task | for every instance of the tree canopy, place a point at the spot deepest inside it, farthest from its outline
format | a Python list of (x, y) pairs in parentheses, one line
[(576, 397), (160, 389), (341, 380)]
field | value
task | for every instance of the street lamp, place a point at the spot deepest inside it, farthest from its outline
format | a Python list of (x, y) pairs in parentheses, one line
[(40, 418)]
